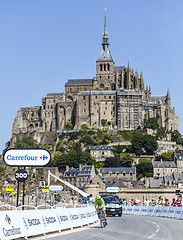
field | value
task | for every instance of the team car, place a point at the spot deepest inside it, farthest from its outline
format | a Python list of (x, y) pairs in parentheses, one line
[(112, 204)]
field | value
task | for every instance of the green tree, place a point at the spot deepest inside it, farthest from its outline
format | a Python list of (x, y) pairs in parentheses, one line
[(87, 140), (175, 135), (26, 142), (161, 133), (150, 144), (167, 156), (84, 126), (143, 143), (144, 168), (112, 162), (137, 143), (151, 123), (69, 126), (104, 122), (126, 161)]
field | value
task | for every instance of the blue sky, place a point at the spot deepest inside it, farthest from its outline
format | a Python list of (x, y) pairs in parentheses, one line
[(44, 43)]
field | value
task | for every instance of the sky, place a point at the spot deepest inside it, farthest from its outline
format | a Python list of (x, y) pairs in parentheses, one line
[(43, 43)]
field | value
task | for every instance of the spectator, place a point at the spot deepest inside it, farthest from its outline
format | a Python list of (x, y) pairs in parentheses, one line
[(146, 202), (174, 203), (167, 202), (179, 203)]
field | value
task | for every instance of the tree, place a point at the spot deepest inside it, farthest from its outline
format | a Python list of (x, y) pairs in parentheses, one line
[(137, 143), (175, 135), (87, 140), (144, 168), (126, 160), (167, 156), (26, 142), (150, 144), (69, 126), (112, 162), (143, 143), (161, 133), (84, 126), (151, 123), (104, 122)]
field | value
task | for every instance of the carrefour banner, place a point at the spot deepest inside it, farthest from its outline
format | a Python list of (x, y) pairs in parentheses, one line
[(17, 224)]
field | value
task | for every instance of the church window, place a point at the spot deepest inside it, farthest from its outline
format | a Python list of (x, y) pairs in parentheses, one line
[(36, 125), (104, 113), (108, 67), (48, 106), (32, 114), (124, 174), (43, 106), (109, 97), (104, 67), (100, 67), (104, 97), (101, 85), (100, 77), (84, 109), (108, 77), (96, 97), (83, 97), (51, 106)]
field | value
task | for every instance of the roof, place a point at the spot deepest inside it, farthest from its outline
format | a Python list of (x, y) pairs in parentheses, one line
[(98, 92), (156, 183), (120, 170), (163, 164), (119, 68), (102, 147), (75, 172), (156, 99), (80, 81), (105, 56)]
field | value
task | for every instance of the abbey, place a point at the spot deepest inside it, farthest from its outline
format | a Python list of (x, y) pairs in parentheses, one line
[(116, 94)]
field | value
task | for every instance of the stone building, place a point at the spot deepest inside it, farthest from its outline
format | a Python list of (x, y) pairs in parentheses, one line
[(116, 94), (100, 153), (163, 168)]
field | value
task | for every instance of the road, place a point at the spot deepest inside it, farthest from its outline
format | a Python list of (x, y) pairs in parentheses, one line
[(128, 228)]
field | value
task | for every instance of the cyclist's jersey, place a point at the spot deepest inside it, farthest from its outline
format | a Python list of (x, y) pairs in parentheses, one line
[(100, 204)]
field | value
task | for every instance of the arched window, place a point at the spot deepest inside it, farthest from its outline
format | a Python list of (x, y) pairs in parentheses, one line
[(104, 67), (100, 67)]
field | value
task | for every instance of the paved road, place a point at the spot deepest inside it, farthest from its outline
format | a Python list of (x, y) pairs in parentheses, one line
[(129, 228)]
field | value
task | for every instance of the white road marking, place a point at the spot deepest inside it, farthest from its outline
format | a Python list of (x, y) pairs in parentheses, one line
[(157, 230)]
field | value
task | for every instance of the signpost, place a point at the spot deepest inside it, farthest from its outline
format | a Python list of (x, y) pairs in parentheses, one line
[(112, 189), (25, 157)]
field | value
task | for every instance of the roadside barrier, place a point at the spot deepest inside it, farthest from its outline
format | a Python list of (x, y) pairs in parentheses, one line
[(157, 211), (17, 224)]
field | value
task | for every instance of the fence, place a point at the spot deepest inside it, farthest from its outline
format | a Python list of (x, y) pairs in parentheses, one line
[(17, 224), (157, 211)]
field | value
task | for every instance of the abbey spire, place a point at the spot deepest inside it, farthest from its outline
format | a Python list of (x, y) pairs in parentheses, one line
[(105, 55)]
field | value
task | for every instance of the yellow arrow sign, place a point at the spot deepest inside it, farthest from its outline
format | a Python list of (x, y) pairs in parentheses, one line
[(45, 190), (9, 189)]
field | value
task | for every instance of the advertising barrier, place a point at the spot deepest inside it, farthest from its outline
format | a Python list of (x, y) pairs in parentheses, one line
[(16, 224), (157, 211)]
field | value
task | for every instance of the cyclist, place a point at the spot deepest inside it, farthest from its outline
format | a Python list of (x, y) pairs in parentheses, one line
[(100, 204)]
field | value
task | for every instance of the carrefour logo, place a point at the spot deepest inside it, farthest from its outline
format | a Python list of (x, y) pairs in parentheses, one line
[(27, 157), (7, 219)]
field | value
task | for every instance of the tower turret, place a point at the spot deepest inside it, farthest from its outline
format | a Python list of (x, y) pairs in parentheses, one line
[(168, 98)]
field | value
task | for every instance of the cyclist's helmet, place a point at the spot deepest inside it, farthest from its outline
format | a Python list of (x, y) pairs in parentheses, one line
[(98, 197)]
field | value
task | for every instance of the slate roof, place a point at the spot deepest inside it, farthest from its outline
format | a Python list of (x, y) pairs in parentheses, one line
[(80, 82), (156, 99), (119, 68), (156, 183), (120, 170), (168, 164), (105, 56), (75, 172), (102, 147)]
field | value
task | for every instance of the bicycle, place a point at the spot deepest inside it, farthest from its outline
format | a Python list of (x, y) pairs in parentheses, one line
[(102, 219)]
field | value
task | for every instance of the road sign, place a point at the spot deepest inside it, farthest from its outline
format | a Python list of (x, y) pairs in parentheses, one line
[(27, 157), (21, 175), (45, 190), (9, 189), (112, 189), (56, 188)]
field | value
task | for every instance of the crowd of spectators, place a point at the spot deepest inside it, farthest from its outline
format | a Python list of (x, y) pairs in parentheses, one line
[(153, 202)]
